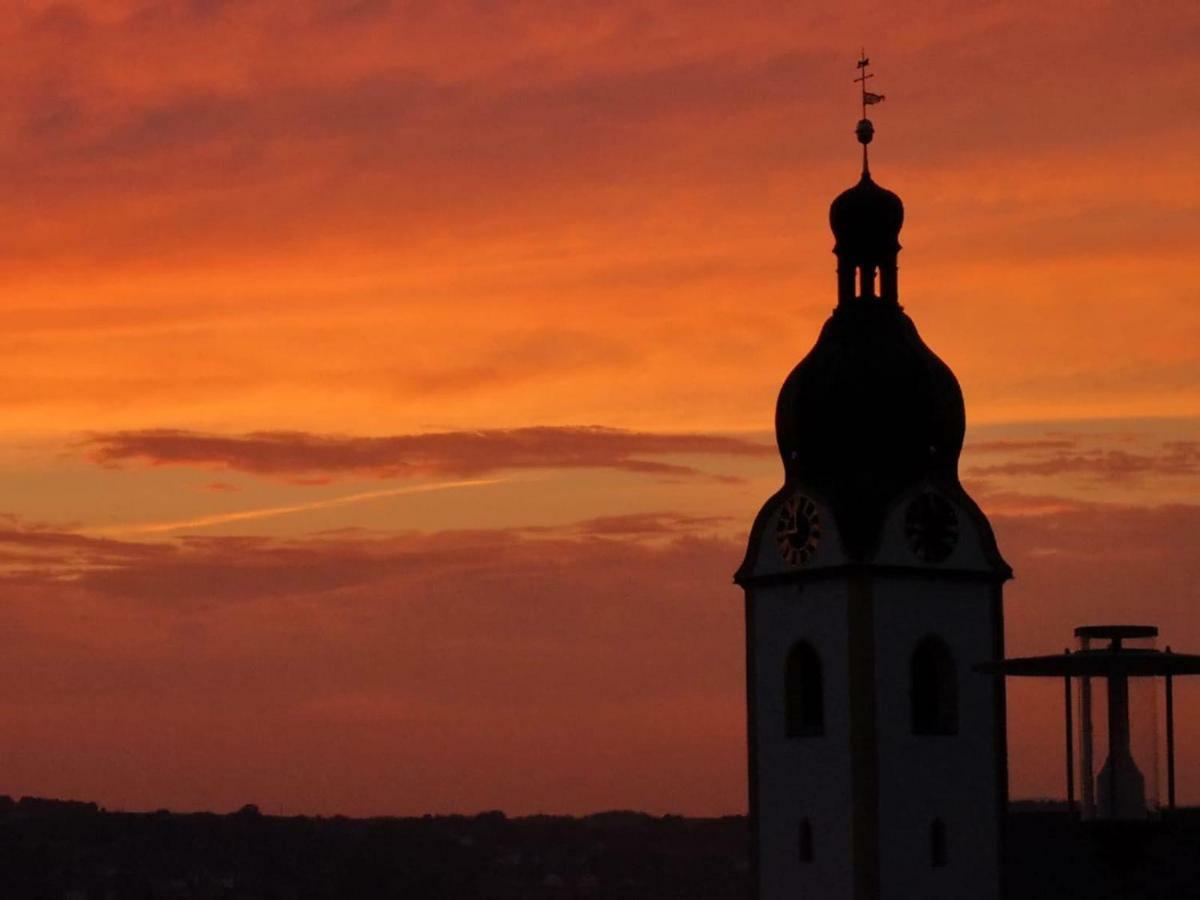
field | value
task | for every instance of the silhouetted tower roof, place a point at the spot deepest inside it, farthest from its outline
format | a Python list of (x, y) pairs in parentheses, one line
[(871, 411)]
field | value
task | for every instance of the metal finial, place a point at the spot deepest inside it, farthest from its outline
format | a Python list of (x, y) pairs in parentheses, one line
[(865, 130)]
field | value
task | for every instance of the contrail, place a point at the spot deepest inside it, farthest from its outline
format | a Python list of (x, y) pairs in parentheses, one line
[(270, 512)]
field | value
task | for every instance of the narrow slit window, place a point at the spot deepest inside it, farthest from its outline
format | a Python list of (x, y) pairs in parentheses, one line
[(937, 844), (934, 688), (804, 699), (805, 848)]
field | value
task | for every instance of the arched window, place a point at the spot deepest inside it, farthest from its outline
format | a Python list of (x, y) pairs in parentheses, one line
[(937, 843), (806, 843), (804, 699), (934, 688)]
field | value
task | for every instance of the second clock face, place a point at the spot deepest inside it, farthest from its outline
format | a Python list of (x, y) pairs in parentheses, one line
[(931, 526), (798, 529)]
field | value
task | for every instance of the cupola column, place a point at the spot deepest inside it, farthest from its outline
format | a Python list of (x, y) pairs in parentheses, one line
[(888, 288), (866, 281), (847, 278)]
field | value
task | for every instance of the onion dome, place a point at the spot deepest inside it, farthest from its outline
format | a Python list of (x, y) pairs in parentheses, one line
[(870, 412), (866, 222)]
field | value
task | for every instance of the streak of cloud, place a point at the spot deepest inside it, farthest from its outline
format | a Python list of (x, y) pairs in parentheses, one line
[(270, 512), (298, 455), (1172, 459)]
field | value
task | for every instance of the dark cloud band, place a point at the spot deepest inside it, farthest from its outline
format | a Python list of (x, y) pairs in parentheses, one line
[(302, 455)]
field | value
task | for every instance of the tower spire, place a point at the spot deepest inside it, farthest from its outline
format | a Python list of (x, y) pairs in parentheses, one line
[(865, 130), (866, 220)]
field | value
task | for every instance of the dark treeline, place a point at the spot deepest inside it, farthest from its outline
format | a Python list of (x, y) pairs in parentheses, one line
[(52, 850), (55, 850)]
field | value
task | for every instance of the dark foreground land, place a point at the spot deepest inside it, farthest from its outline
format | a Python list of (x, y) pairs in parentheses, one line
[(52, 850), (1051, 856), (75, 851)]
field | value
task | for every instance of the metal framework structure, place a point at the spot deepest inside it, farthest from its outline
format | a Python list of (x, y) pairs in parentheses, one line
[(1116, 663)]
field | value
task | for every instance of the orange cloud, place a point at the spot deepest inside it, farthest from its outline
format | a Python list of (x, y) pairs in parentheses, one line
[(293, 215), (1172, 459), (469, 453), (1010, 445)]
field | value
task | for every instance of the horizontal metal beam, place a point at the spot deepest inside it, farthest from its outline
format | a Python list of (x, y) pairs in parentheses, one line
[(1096, 664)]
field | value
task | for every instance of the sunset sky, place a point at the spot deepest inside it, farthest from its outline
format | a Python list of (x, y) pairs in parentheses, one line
[(387, 386)]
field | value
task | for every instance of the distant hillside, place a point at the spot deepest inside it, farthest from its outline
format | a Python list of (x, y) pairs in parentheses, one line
[(56, 850), (77, 851)]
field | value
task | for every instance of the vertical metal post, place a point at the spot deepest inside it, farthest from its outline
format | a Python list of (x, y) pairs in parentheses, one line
[(1070, 741), (1170, 739), (1087, 779)]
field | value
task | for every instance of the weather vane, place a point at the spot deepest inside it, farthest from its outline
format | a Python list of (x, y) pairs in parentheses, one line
[(865, 130)]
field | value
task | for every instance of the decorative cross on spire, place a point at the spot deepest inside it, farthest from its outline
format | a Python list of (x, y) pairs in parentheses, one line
[(865, 129)]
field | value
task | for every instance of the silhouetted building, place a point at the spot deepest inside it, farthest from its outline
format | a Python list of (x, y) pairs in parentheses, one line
[(873, 585)]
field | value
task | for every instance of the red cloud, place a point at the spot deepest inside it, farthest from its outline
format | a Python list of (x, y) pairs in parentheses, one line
[(362, 673), (1173, 458), (373, 673), (305, 456), (1008, 445)]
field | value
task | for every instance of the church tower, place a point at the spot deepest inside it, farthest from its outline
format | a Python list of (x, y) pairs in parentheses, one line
[(873, 587)]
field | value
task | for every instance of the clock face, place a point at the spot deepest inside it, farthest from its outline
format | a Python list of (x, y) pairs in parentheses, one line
[(931, 526), (798, 530)]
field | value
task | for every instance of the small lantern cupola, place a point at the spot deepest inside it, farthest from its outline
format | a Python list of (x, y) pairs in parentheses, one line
[(866, 222)]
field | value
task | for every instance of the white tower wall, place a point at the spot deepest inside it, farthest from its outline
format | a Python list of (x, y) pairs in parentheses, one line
[(868, 785), (955, 778), (801, 777)]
